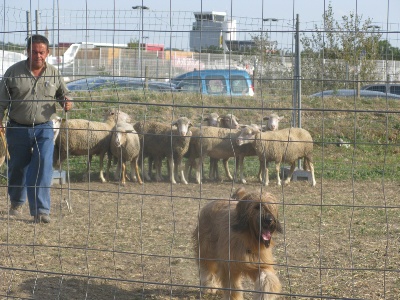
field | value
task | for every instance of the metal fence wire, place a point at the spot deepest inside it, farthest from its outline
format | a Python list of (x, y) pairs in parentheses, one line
[(114, 240)]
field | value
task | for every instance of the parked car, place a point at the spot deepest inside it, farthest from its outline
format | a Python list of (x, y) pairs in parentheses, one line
[(215, 82), (120, 83), (393, 88), (353, 93)]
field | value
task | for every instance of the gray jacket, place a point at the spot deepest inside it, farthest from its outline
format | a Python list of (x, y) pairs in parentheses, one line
[(31, 100)]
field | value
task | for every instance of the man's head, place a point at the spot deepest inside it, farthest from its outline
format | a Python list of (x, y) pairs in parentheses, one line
[(38, 49)]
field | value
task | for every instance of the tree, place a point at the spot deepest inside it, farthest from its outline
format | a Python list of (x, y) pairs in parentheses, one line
[(387, 51), (133, 44), (340, 52)]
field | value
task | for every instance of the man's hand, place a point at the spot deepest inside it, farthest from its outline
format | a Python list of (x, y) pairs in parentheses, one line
[(67, 104)]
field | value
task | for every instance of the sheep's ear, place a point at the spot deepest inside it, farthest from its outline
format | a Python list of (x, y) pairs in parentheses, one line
[(174, 123), (266, 118), (239, 193), (190, 124), (255, 129)]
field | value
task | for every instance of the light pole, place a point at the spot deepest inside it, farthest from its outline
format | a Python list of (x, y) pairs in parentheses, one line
[(270, 20), (141, 8)]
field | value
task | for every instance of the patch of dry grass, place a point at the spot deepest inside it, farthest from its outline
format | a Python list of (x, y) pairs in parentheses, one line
[(341, 239)]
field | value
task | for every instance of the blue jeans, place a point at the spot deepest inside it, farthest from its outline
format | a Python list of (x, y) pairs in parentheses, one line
[(30, 168)]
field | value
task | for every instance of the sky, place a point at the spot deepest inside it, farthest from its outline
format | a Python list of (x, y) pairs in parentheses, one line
[(382, 14), (309, 10)]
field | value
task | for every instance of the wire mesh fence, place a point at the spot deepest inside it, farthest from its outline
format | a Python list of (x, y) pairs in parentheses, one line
[(110, 240)]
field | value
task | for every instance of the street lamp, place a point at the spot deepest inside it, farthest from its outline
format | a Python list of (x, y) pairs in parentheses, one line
[(141, 8), (270, 20)]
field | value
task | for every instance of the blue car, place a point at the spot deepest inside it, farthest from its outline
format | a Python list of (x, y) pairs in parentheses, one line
[(215, 82)]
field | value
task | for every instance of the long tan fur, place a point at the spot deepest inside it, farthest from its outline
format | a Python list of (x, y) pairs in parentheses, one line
[(234, 238)]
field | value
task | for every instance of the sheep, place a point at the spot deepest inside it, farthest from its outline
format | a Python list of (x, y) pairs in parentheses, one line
[(272, 125), (285, 145), (215, 142), (226, 121), (87, 138), (125, 146), (159, 140)]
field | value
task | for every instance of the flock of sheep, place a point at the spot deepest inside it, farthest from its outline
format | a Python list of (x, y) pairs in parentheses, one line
[(221, 138)]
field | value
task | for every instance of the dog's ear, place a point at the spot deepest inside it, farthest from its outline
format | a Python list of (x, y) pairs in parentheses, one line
[(242, 217), (239, 193)]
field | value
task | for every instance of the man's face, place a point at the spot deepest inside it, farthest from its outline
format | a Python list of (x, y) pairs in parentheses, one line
[(37, 54)]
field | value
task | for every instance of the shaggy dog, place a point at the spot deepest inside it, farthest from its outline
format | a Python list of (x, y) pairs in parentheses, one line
[(234, 238)]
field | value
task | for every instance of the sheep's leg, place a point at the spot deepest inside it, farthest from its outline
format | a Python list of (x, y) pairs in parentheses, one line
[(150, 162), (213, 173), (179, 169), (264, 172), (101, 168), (278, 176), (226, 167), (313, 183), (123, 173), (110, 157), (289, 177), (157, 165), (135, 170), (171, 170), (117, 172), (86, 175), (199, 169), (259, 176), (239, 161), (188, 166)]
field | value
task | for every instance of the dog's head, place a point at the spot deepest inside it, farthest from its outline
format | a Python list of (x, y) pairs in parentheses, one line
[(257, 213)]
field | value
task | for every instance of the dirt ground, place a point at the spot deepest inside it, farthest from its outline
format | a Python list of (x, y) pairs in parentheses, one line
[(340, 240)]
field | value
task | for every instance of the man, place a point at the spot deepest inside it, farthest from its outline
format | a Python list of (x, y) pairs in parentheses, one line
[(29, 91)]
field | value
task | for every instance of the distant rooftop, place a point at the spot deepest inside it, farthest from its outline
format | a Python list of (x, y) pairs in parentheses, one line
[(210, 16)]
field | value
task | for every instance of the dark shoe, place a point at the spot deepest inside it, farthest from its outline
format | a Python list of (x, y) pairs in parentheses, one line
[(42, 218), (15, 209)]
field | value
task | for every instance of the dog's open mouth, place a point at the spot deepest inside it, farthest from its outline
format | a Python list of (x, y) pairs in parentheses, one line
[(266, 237)]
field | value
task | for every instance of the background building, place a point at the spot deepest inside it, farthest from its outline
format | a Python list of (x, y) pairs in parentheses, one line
[(211, 29)]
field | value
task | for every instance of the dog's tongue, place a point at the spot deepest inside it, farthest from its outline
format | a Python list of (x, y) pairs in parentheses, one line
[(266, 235)]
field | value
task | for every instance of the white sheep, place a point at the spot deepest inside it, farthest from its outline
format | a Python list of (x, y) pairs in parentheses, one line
[(248, 150), (159, 140), (285, 145), (125, 146), (215, 142), (226, 121), (87, 138)]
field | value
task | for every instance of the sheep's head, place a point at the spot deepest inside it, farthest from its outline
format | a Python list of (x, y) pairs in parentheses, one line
[(247, 134), (212, 119), (230, 121), (183, 124), (121, 130), (273, 121), (117, 116), (56, 126)]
